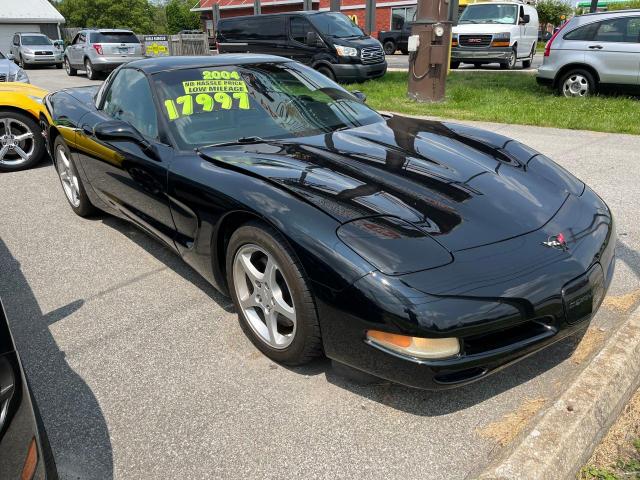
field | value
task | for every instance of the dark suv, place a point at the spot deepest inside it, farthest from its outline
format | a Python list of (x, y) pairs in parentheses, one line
[(327, 41)]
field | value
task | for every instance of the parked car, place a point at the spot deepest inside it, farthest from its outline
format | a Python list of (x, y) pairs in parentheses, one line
[(101, 51), (21, 113), (30, 49), (24, 448), (326, 41), (593, 51), (495, 32), (10, 72), (427, 253), (394, 40)]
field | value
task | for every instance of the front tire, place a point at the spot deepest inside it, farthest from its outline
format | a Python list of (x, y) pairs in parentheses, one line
[(511, 62), (71, 182), (89, 70), (272, 296), (389, 47), (327, 72), (21, 142), (577, 83), (72, 72)]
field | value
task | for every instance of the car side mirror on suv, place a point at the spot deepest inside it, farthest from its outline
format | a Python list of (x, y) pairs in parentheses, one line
[(314, 40), (525, 19)]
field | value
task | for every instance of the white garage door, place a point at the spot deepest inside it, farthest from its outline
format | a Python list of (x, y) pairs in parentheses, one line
[(8, 29)]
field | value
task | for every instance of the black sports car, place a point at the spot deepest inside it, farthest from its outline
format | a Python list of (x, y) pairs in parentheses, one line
[(24, 449), (426, 253)]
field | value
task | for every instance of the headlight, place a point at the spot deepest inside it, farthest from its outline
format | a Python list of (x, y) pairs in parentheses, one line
[(346, 51), (27, 50), (506, 36), (21, 76)]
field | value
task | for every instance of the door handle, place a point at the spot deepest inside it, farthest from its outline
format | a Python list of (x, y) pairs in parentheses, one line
[(595, 47)]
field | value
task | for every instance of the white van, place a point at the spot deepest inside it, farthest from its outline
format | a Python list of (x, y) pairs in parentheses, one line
[(495, 32)]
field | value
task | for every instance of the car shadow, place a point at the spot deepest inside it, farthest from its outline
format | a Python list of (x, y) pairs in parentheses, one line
[(168, 257), (75, 424)]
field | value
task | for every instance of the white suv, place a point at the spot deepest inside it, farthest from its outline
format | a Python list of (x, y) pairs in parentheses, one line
[(593, 50)]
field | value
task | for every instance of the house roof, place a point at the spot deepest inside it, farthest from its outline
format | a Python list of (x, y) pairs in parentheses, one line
[(29, 11)]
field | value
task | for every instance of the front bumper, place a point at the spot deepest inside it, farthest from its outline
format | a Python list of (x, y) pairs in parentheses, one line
[(357, 72), (32, 59), (503, 301), (481, 54)]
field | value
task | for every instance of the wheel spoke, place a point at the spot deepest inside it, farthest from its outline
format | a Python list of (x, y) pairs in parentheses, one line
[(270, 274), (24, 136), (283, 308), (271, 320), (7, 126), (249, 301), (20, 152), (251, 271), (3, 152)]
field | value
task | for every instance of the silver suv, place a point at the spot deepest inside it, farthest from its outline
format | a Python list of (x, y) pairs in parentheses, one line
[(101, 51), (29, 49), (593, 50)]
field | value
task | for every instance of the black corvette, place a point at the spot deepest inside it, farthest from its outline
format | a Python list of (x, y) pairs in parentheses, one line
[(427, 253), (24, 448)]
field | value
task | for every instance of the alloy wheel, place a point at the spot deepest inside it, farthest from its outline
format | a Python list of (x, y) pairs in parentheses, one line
[(576, 85), (17, 143), (68, 177), (264, 296), (67, 66), (88, 69)]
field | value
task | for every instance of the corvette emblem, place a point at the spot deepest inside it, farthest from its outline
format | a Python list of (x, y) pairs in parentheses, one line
[(557, 241)]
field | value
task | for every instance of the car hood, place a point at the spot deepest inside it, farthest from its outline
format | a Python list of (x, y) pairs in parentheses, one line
[(463, 186), (7, 66)]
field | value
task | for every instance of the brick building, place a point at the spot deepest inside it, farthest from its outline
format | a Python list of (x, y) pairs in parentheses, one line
[(389, 14)]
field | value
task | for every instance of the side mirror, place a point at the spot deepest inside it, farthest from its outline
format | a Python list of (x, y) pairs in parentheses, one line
[(117, 130), (525, 19), (314, 40), (362, 98)]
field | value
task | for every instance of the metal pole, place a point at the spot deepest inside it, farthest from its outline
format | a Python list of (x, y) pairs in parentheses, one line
[(370, 16), (307, 5), (215, 15), (594, 6), (257, 9), (334, 5)]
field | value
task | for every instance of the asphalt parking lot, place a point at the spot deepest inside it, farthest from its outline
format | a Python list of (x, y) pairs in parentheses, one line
[(141, 370)]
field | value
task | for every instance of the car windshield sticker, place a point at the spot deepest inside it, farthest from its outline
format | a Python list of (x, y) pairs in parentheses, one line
[(218, 90), (186, 105)]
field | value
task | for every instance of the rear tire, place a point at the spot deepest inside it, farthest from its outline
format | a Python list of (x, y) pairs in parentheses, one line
[(72, 72), (389, 47), (32, 146), (327, 72), (292, 338), (70, 180), (577, 83)]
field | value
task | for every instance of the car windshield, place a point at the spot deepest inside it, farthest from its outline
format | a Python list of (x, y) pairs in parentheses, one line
[(113, 37), (490, 13), (35, 40), (270, 101), (336, 25)]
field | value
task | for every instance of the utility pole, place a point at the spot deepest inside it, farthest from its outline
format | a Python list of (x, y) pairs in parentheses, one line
[(594, 6), (334, 5), (369, 16), (307, 5), (429, 49), (257, 8)]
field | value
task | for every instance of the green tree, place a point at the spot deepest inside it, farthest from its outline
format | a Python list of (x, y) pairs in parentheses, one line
[(552, 11), (137, 15), (622, 5), (179, 16)]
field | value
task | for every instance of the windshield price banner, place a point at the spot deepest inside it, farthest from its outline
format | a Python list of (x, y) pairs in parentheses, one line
[(156, 45)]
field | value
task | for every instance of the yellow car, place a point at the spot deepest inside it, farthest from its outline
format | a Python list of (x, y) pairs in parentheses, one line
[(21, 113)]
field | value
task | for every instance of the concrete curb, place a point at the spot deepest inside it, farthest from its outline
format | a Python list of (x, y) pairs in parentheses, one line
[(565, 436)]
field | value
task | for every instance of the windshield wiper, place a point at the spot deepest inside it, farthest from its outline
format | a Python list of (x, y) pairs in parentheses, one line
[(241, 141)]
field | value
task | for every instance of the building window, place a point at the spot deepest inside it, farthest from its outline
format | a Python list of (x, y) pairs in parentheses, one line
[(401, 16)]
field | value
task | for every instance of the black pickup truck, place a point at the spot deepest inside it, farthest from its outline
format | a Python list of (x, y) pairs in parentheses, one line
[(393, 40)]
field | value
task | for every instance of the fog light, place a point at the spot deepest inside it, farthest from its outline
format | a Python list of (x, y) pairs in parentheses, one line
[(415, 346)]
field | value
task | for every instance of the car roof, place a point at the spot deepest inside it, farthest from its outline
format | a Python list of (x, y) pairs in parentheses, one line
[(301, 12), (163, 64), (30, 33), (107, 30)]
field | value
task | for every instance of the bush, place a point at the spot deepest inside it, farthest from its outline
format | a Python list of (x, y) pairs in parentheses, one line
[(624, 5)]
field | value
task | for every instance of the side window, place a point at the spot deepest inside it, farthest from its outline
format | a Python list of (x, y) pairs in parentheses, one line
[(75, 39), (299, 29), (584, 33), (82, 38), (615, 30), (130, 99), (633, 29)]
